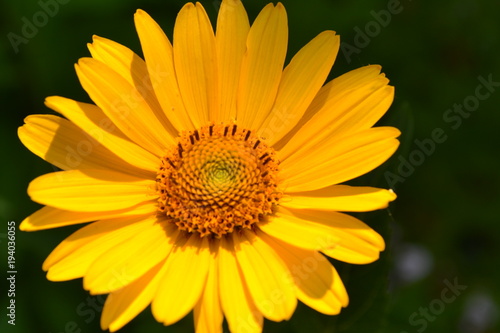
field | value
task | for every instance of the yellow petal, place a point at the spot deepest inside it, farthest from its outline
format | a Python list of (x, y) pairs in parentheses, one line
[(318, 283), (72, 257), (208, 315), (262, 66), (267, 277), (91, 190), (124, 62), (338, 101), (125, 304), (158, 53), (61, 143), (99, 127), (132, 68), (240, 311), (300, 83), (127, 261), (335, 161), (119, 58), (50, 217), (121, 102), (341, 198), (300, 233), (195, 63), (182, 285), (350, 103), (337, 235), (231, 36)]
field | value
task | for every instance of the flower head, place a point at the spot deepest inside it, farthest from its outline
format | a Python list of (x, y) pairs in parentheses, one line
[(211, 174)]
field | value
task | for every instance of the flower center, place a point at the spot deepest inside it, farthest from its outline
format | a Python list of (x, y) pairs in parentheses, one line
[(218, 179)]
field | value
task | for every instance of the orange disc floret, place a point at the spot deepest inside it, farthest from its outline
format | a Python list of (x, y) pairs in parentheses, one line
[(219, 178)]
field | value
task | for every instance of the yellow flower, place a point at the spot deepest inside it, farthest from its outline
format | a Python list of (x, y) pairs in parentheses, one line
[(211, 173)]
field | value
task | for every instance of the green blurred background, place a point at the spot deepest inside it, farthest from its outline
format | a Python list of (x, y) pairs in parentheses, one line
[(442, 231)]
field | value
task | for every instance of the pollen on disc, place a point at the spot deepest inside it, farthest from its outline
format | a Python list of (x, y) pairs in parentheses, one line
[(218, 179)]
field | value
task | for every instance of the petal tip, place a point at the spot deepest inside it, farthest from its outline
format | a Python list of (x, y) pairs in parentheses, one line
[(330, 33), (188, 5), (26, 226), (49, 100), (20, 130), (51, 276), (392, 195), (96, 38)]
